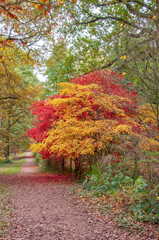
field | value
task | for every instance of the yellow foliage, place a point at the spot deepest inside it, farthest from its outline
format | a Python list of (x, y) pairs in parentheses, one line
[(73, 136), (36, 147), (123, 57), (149, 113), (149, 144), (74, 93), (16, 96), (123, 129)]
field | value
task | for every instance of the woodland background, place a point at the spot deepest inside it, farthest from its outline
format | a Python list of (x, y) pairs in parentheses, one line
[(97, 114)]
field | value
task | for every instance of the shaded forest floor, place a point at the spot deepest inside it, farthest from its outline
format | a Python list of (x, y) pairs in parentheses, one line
[(44, 207)]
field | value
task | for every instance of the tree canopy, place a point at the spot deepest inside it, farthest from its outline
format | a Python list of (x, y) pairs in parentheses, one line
[(91, 117), (17, 91)]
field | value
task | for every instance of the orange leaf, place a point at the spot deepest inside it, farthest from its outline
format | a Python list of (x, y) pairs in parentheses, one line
[(45, 13), (40, 7), (19, 8), (10, 41)]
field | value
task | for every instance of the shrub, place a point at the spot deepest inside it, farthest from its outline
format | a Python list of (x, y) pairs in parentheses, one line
[(140, 201)]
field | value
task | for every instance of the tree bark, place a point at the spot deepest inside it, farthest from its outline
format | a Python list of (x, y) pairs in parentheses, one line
[(63, 165), (157, 24), (70, 166), (8, 142)]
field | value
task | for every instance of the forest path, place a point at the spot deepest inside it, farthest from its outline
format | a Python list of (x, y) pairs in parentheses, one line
[(29, 166), (45, 208)]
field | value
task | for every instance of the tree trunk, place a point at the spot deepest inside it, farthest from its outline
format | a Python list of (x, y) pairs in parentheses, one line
[(157, 24), (157, 46), (78, 170), (70, 166), (136, 171), (8, 142), (76, 167), (63, 165)]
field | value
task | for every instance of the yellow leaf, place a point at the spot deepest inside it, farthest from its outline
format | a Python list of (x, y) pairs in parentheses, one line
[(154, 17), (124, 57)]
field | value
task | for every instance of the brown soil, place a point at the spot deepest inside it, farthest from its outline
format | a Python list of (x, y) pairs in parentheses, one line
[(45, 208)]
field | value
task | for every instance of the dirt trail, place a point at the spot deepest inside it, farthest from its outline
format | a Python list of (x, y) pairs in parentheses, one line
[(44, 208), (29, 166)]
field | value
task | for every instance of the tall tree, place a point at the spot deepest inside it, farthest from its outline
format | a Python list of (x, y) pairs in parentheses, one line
[(84, 121), (60, 67), (17, 93), (125, 34)]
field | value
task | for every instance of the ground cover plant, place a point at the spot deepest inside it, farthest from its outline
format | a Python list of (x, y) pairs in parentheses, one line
[(122, 195), (11, 167)]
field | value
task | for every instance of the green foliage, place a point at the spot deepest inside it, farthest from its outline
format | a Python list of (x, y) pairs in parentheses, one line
[(145, 208), (111, 33), (27, 74), (37, 158), (107, 182), (140, 185), (60, 67), (144, 202), (125, 221), (141, 202)]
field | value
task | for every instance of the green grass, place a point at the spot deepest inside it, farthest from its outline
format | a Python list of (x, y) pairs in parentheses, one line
[(12, 167), (5, 210)]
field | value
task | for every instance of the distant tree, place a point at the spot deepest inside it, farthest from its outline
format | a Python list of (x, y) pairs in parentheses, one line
[(17, 94), (60, 67)]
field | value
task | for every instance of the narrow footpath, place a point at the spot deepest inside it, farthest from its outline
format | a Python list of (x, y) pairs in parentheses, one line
[(29, 166), (45, 208)]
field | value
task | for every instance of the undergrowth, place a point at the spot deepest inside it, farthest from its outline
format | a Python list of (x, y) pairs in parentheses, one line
[(130, 201)]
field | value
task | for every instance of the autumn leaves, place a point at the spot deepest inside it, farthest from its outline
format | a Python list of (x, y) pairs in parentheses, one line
[(86, 118)]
